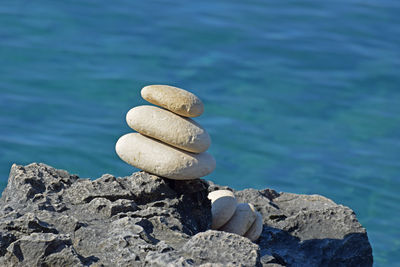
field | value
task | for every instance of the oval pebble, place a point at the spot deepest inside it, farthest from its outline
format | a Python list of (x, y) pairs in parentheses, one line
[(161, 159), (174, 99), (242, 219), (169, 127), (256, 228), (223, 206)]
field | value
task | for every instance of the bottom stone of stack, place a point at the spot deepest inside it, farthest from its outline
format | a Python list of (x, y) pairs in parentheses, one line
[(163, 160)]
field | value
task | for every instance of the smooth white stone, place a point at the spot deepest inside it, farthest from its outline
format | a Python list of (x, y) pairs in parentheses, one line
[(174, 99), (223, 206), (169, 127), (161, 159), (242, 219), (256, 228)]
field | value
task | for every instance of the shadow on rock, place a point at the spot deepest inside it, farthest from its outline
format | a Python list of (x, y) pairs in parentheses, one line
[(280, 247)]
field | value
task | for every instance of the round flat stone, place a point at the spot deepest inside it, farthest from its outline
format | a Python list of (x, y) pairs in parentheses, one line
[(174, 99), (223, 206), (166, 126), (256, 228), (242, 219), (161, 159)]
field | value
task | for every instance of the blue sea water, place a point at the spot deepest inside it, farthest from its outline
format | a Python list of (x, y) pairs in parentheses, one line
[(300, 96)]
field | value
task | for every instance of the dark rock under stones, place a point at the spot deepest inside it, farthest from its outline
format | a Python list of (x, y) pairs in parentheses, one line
[(49, 217)]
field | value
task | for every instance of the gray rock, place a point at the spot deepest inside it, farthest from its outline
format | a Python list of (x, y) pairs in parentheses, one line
[(227, 248), (49, 217), (308, 230)]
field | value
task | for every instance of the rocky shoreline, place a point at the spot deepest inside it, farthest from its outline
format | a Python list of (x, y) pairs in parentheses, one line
[(49, 217)]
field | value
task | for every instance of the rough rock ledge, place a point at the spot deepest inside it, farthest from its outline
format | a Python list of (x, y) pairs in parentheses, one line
[(49, 217)]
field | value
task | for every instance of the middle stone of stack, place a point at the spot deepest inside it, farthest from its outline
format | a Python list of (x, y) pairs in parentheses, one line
[(168, 127), (167, 144)]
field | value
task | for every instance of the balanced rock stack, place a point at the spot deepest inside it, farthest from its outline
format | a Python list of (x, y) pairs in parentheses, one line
[(167, 143), (170, 144), (233, 217)]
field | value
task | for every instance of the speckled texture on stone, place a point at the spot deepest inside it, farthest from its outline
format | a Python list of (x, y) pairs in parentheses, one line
[(175, 99), (51, 218)]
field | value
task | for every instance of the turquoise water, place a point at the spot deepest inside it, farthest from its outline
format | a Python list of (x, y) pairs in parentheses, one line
[(300, 96)]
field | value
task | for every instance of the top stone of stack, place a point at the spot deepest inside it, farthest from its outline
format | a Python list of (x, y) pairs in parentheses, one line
[(174, 99)]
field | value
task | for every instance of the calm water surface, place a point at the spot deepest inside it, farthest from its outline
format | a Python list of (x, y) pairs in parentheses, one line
[(300, 96)]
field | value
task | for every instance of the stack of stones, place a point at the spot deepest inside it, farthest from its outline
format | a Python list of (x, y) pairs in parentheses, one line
[(167, 143), (233, 217), (170, 144)]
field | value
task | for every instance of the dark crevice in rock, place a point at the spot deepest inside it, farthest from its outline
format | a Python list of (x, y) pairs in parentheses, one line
[(88, 261), (16, 251), (79, 225), (5, 241), (55, 247), (278, 218), (278, 259), (41, 227), (110, 197), (269, 193)]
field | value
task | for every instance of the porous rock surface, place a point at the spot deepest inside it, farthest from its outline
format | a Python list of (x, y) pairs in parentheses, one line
[(49, 217)]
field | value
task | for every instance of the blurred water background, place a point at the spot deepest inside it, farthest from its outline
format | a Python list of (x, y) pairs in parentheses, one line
[(300, 96)]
